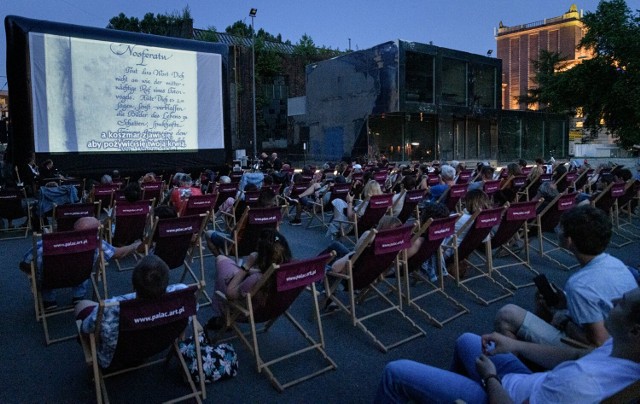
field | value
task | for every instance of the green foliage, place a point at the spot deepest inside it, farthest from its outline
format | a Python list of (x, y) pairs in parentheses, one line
[(210, 35), (174, 24), (548, 94), (305, 48), (239, 28)]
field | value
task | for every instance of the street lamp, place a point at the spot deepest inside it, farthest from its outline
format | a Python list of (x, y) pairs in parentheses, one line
[(252, 14)]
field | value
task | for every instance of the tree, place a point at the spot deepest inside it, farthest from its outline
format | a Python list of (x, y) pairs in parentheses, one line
[(306, 49), (606, 87), (611, 94), (548, 93), (174, 24), (210, 35)]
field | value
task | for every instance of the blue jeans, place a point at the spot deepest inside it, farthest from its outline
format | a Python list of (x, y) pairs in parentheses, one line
[(405, 380), (49, 295)]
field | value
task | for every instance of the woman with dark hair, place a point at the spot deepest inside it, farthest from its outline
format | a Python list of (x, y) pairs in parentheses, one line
[(235, 281)]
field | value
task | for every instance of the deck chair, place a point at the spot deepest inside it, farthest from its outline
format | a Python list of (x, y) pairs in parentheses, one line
[(453, 197), (338, 191), (583, 179), (491, 187), (282, 284), (464, 177), (607, 201), (244, 237), (530, 190), (13, 206), (479, 227), (103, 193), (199, 204), (627, 205), (434, 232), (380, 251), (66, 215), (410, 207), (48, 197), (78, 183), (378, 206), (567, 181), (514, 220), (294, 193), (225, 191), (380, 177), (127, 224), (68, 259), (139, 342), (177, 241), (546, 222), (153, 190)]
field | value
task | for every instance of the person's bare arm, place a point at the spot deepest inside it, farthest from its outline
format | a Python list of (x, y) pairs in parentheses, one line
[(121, 252), (547, 356), (591, 334)]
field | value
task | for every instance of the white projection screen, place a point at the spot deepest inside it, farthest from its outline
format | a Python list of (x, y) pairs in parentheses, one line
[(98, 96), (95, 99)]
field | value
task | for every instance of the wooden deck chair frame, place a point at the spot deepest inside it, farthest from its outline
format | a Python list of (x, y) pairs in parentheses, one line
[(66, 215), (378, 206), (546, 221), (226, 219), (607, 201), (11, 208), (103, 193), (294, 191), (434, 231), (244, 236), (411, 204), (338, 191), (199, 204), (78, 249), (453, 196), (382, 250), (479, 228), (153, 190), (184, 237), (186, 303), (531, 189), (290, 280), (627, 205), (514, 222), (135, 219)]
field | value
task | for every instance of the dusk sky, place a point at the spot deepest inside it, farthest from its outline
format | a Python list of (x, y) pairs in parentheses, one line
[(466, 25)]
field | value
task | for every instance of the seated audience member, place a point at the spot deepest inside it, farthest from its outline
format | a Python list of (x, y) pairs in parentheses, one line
[(317, 191), (447, 178), (216, 239), (587, 297), (343, 254), (149, 177), (343, 210), (79, 291), (488, 368), (508, 190), (547, 191), (150, 280), (537, 170), (408, 183), (236, 281), (429, 211), (132, 192), (180, 195), (486, 174)]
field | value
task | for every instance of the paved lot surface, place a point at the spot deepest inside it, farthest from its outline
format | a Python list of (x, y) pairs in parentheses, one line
[(57, 374)]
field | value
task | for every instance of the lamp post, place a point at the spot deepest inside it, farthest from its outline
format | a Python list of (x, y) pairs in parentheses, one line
[(252, 14)]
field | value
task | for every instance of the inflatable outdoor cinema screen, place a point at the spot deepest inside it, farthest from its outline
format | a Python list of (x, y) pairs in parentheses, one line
[(94, 98)]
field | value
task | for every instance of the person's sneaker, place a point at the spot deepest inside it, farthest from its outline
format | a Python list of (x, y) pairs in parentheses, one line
[(292, 201), (295, 222), (428, 269), (48, 306)]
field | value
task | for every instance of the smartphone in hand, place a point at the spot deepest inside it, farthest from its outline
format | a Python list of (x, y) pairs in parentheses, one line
[(546, 289)]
